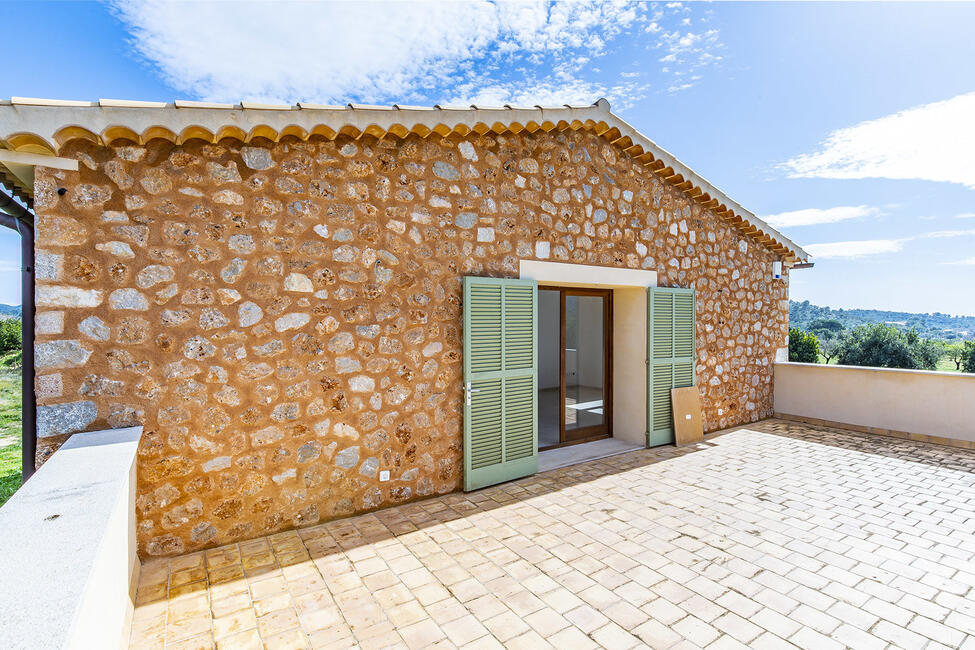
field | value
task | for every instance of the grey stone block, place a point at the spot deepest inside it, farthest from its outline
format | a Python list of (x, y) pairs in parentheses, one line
[(57, 419)]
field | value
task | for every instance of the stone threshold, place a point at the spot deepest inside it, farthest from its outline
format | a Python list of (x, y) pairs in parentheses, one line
[(582, 453)]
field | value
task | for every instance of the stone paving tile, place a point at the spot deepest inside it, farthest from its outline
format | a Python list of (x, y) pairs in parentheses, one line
[(776, 535)]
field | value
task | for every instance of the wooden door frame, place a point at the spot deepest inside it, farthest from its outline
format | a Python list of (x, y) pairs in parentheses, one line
[(595, 432)]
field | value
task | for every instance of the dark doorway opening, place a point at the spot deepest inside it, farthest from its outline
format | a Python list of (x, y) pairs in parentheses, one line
[(575, 352)]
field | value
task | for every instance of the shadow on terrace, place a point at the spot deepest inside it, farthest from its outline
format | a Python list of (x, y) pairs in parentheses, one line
[(649, 546)]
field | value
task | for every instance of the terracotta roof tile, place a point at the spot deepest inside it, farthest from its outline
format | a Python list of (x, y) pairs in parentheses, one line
[(44, 126)]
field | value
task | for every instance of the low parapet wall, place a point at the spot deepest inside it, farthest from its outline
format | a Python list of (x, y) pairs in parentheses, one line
[(934, 407), (67, 547)]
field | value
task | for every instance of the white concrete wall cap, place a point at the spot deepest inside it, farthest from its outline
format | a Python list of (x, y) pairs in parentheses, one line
[(130, 103), (67, 551)]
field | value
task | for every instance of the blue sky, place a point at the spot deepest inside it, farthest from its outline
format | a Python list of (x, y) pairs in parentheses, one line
[(850, 126)]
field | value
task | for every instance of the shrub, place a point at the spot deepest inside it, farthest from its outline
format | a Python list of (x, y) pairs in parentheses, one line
[(803, 346), (10, 332), (11, 360)]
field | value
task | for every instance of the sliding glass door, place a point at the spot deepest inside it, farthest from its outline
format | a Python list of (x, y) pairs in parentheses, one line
[(575, 365)]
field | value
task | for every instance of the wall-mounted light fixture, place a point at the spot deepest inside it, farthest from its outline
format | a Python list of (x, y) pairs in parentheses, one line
[(776, 270)]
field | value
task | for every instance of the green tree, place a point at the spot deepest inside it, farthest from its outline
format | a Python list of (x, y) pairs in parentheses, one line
[(826, 329), (955, 352), (10, 333), (878, 345), (830, 347), (883, 346), (803, 346), (968, 357), (927, 353)]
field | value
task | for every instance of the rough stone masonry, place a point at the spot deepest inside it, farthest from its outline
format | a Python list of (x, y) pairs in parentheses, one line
[(285, 318)]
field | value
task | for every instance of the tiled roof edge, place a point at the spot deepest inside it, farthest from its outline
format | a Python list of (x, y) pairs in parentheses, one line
[(44, 126)]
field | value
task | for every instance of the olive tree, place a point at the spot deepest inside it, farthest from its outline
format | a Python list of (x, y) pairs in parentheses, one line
[(955, 352), (830, 347)]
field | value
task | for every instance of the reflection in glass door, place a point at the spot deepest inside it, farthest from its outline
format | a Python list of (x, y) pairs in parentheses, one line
[(585, 365), (549, 368), (575, 361)]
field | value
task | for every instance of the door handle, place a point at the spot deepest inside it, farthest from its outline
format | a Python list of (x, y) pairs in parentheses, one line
[(467, 392)]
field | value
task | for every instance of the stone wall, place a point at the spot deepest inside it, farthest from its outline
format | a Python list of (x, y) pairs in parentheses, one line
[(285, 318)]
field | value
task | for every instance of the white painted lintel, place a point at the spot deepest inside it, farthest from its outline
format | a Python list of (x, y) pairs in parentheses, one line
[(585, 275)]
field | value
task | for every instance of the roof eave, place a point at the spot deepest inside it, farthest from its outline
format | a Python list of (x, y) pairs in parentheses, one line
[(40, 126)]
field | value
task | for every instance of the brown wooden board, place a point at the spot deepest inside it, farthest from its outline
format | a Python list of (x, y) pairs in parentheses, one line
[(686, 403)]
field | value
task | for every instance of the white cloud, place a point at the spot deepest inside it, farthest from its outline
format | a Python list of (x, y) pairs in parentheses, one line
[(813, 216), (687, 53), (968, 261), (863, 248), (943, 234), (965, 215), (931, 142), (854, 249), (384, 52)]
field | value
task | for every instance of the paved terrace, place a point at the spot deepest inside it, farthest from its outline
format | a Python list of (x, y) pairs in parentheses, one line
[(774, 535)]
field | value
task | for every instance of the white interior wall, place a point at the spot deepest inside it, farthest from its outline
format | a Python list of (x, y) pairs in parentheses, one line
[(629, 364), (584, 357), (589, 357)]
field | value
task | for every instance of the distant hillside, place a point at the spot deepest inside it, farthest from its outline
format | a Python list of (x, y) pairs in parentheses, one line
[(9, 311), (931, 326)]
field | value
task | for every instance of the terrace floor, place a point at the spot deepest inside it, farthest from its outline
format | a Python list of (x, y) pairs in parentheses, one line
[(772, 535)]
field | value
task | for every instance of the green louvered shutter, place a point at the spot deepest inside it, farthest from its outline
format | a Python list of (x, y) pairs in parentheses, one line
[(672, 352), (500, 381)]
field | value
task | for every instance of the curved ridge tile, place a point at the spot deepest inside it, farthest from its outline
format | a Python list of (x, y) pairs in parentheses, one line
[(195, 132), (294, 130), (324, 131), (157, 132), (75, 132), (120, 132), (262, 131), (231, 131), (31, 143)]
